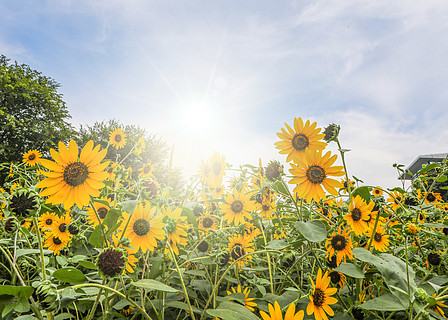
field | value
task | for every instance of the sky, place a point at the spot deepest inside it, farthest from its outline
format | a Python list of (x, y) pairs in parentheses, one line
[(226, 75)]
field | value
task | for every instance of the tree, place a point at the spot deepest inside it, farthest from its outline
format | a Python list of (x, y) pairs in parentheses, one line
[(156, 150), (32, 112)]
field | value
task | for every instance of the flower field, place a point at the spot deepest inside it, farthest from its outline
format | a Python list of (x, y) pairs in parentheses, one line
[(85, 237)]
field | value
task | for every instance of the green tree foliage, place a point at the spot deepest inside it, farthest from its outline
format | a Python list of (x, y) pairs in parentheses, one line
[(32, 112), (156, 150)]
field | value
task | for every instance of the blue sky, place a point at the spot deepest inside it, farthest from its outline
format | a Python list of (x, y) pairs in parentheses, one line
[(226, 75)]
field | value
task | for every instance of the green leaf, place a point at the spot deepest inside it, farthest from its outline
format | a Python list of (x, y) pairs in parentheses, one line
[(22, 305), (277, 244), (16, 291), (70, 275), (88, 264), (313, 231), (280, 187), (385, 302), (23, 252), (96, 239), (363, 192), (27, 317), (183, 306), (111, 218), (429, 167), (186, 212), (129, 206), (442, 178), (63, 316), (232, 311), (150, 284), (351, 270)]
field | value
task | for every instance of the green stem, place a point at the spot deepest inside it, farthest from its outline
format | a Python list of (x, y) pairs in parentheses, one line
[(349, 187), (269, 260), (407, 277), (92, 312), (103, 232), (39, 238)]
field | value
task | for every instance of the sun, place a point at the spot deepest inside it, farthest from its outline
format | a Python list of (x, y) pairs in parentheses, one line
[(197, 117)]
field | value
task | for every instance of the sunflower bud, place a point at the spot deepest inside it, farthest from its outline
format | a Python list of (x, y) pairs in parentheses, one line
[(111, 262), (273, 171), (421, 295), (331, 132), (47, 295)]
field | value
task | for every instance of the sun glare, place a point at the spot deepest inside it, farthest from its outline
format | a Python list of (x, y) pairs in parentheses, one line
[(197, 117)]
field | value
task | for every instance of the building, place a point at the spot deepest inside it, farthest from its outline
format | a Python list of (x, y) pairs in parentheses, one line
[(421, 160)]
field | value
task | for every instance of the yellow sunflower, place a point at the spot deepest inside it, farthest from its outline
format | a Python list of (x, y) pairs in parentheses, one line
[(146, 170), (74, 179), (275, 313), (176, 227), (380, 239), (101, 209), (47, 220), (144, 229), (438, 307), (60, 227), (206, 222), (117, 138), (32, 157), (396, 200), (55, 244), (140, 145), (237, 206), (312, 173), (238, 247), (359, 214), (337, 279), (377, 192), (247, 301), (321, 298), (212, 170), (340, 243), (296, 141)]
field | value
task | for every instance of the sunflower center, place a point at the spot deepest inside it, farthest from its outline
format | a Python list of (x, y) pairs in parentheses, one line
[(376, 191), (377, 237), (265, 207), (300, 142), (335, 277), (430, 197), (338, 242), (147, 169), (32, 157), (118, 138), (207, 222), (216, 168), (237, 206), (356, 214), (49, 222), (62, 227), (237, 251), (318, 297), (434, 258), (141, 227), (315, 174), (75, 173), (56, 241), (102, 212)]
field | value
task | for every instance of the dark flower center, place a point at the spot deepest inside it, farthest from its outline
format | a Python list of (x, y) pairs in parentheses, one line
[(56, 241), (335, 276), (338, 242), (300, 142), (62, 227), (141, 227), (315, 174), (377, 237), (265, 207), (332, 262), (73, 229), (430, 197), (118, 138), (273, 171), (356, 214), (318, 297), (207, 222), (198, 210), (102, 212), (146, 169), (224, 259), (237, 251), (237, 206), (434, 258), (325, 210), (32, 156), (376, 191), (111, 262), (49, 222), (216, 168), (75, 173), (21, 204), (203, 246)]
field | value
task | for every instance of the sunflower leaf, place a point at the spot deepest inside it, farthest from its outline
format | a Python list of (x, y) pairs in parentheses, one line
[(70, 275), (96, 238), (313, 231), (385, 302), (129, 206), (232, 311), (363, 192), (150, 284), (351, 270)]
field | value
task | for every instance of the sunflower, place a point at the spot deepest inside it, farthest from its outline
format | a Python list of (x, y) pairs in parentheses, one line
[(176, 227), (101, 209), (60, 227), (345, 185), (146, 170), (296, 141), (340, 243), (275, 313), (140, 145), (359, 214), (237, 206), (238, 247), (337, 279), (206, 222), (432, 197), (396, 199), (268, 207), (32, 157), (312, 173), (117, 138), (320, 299), (247, 301), (55, 244), (73, 180), (212, 170), (143, 229), (380, 239), (377, 191), (46, 220), (438, 307)]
